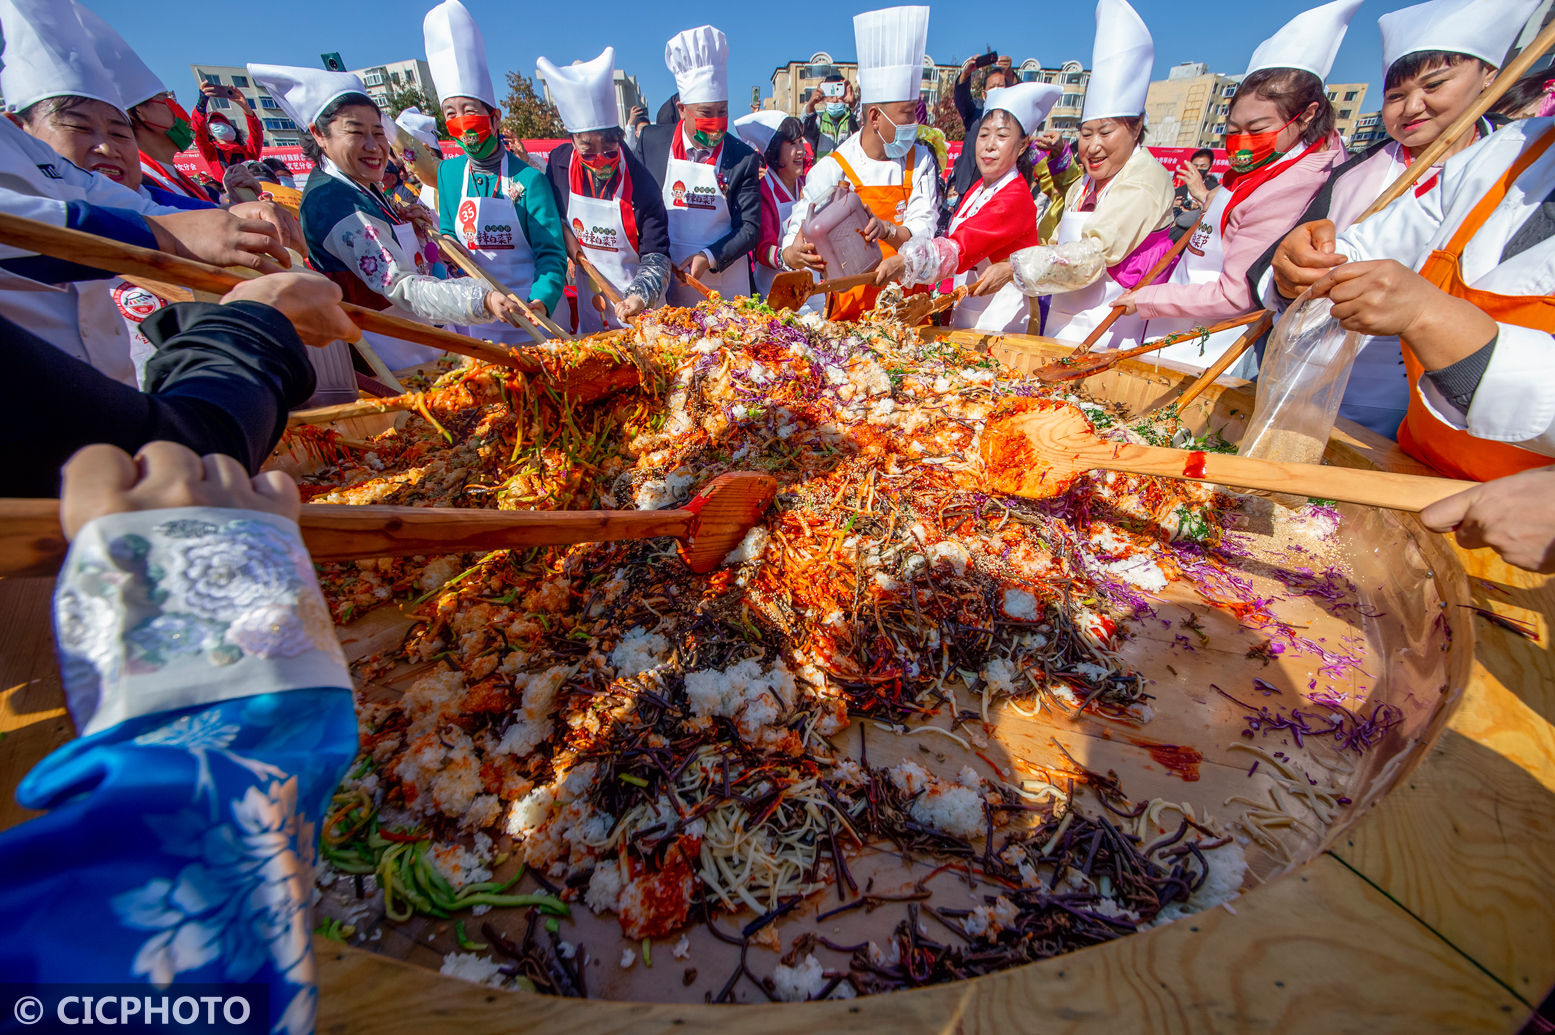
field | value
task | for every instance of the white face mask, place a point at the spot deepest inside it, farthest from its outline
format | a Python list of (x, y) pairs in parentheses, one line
[(223, 132)]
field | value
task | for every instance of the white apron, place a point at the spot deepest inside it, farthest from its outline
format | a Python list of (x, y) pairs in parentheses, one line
[(1073, 315), (1201, 263), (1004, 311), (599, 228), (490, 228), (765, 275), (698, 217)]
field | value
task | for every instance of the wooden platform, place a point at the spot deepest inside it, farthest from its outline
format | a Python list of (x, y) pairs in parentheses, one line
[(1431, 913)]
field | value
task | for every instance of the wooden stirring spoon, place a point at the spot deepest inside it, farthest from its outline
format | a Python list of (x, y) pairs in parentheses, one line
[(708, 527), (1038, 453)]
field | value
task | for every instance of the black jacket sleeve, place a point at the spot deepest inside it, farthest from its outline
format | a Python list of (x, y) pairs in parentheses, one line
[(222, 381), (965, 172), (556, 167), (653, 227), (653, 149), (812, 131), (744, 196), (966, 107)]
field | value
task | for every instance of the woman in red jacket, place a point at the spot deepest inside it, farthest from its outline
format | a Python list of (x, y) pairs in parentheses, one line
[(216, 136), (996, 217)]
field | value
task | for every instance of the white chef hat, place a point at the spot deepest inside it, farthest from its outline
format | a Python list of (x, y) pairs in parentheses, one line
[(48, 53), (1121, 59), (1310, 41), (419, 125), (891, 44), (1484, 29), (584, 92), (699, 60), (304, 93), (135, 81), (456, 53), (1028, 102), (759, 127)]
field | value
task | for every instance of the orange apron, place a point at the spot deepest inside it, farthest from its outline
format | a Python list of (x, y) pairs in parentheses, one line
[(886, 203), (1423, 436)]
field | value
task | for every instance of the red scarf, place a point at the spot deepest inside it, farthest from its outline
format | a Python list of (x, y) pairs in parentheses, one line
[(678, 148), (174, 179), (579, 181), (1243, 185), (1424, 186)]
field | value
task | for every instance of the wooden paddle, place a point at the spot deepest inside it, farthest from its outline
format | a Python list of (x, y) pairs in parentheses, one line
[(1148, 278), (1221, 365), (793, 289), (921, 307), (708, 527), (131, 260), (1038, 453), (1068, 369), (533, 323), (690, 281), (601, 285)]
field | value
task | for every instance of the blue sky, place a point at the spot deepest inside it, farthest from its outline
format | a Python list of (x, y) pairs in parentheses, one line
[(1222, 33)]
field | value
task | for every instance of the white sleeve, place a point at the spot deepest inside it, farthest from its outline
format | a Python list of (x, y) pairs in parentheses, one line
[(922, 216), (1515, 400), (1402, 231), (818, 186), (367, 247)]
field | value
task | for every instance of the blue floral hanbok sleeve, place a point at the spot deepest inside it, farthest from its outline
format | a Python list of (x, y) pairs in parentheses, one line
[(215, 709)]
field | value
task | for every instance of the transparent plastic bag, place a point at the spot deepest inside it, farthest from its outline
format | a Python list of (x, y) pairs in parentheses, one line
[(1300, 383)]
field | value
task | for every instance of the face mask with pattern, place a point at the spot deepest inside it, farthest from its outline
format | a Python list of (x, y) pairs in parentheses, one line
[(474, 135)]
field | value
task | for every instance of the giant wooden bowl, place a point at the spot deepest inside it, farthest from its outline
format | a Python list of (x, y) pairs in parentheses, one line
[(1429, 911)]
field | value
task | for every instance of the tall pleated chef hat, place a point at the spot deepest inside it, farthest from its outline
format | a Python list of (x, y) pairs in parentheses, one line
[(135, 82), (699, 60), (759, 127), (419, 125), (456, 53), (304, 93), (1310, 41), (48, 53), (584, 92), (1028, 102), (1484, 29), (891, 44), (1121, 59)]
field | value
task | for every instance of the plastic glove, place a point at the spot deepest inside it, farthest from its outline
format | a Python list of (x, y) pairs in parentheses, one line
[(1049, 268)]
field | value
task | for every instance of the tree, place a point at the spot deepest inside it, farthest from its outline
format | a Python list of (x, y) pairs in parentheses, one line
[(526, 114), (411, 97)]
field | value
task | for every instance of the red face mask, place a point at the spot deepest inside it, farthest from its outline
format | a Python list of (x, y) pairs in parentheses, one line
[(1249, 151), (708, 132), (603, 162), (474, 134)]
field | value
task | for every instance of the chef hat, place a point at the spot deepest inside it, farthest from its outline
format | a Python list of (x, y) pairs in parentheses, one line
[(304, 93), (48, 53), (1310, 41), (136, 82), (698, 58), (419, 125), (1121, 59), (759, 127), (1484, 29), (456, 53), (1028, 102), (585, 92), (891, 44)]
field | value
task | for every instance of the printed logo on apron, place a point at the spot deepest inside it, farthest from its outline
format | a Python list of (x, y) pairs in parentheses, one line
[(701, 196), (1200, 237), (599, 238), (136, 303)]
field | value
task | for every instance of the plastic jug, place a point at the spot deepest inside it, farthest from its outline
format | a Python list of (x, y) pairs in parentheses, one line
[(836, 228)]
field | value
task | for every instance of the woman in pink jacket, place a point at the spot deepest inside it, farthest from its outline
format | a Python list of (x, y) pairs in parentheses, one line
[(1281, 143)]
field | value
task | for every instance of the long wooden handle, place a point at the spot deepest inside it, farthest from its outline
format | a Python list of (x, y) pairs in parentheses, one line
[(31, 542), (1146, 280), (826, 287), (601, 285), (1221, 365), (473, 266), (1181, 336), (347, 411), (1408, 492), (1509, 75), (1067, 369), (690, 281), (118, 257)]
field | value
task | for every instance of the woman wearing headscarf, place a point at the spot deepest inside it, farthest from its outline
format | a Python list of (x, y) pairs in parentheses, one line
[(609, 199)]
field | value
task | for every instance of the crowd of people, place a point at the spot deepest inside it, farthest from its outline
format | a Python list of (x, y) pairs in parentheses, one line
[(170, 407)]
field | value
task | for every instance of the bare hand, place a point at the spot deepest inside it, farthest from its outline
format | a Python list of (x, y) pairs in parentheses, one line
[(697, 266), (1194, 181), (538, 307), (421, 216), (1387, 297), (966, 70), (102, 479), (889, 269), (278, 216), (993, 278), (629, 307), (1514, 516), (1302, 258), (1126, 303), (879, 230), (221, 238), (503, 307), (309, 300), (802, 255), (1048, 140), (238, 178)]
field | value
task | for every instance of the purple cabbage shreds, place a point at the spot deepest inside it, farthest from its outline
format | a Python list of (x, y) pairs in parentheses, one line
[(1349, 732)]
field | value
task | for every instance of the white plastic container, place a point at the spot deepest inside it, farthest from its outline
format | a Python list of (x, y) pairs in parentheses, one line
[(836, 228)]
